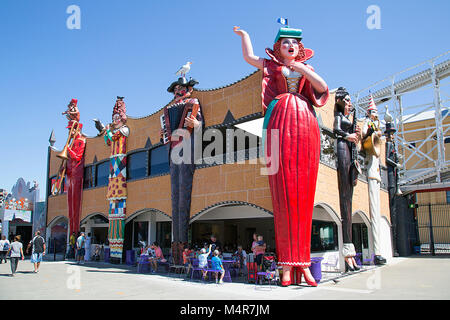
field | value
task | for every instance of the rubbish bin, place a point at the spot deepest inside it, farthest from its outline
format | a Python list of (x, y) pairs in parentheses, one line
[(107, 254), (316, 268), (129, 257)]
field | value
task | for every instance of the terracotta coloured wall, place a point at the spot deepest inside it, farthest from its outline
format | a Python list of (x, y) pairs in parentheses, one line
[(237, 182)]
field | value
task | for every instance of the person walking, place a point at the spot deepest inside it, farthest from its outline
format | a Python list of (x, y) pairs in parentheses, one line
[(4, 246), (16, 250), (80, 248), (38, 250)]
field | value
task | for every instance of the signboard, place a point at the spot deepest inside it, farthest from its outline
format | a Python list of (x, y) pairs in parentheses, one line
[(11, 214)]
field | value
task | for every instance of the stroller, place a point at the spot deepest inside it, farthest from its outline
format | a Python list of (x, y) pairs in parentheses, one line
[(268, 259)]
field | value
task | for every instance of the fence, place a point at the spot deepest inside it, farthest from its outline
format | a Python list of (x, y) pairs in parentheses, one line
[(433, 223)]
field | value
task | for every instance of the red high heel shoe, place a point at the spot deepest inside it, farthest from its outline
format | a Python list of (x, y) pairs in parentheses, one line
[(311, 283), (286, 283)]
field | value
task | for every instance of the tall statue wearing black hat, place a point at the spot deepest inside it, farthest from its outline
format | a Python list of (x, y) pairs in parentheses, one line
[(393, 165), (182, 124)]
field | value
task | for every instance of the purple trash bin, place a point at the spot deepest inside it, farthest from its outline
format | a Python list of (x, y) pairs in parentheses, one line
[(316, 268), (129, 257), (107, 254)]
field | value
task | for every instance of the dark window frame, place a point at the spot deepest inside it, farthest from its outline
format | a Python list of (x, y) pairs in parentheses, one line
[(97, 164), (146, 151)]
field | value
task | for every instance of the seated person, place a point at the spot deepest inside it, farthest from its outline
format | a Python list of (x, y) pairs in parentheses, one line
[(187, 258), (203, 261), (158, 257), (217, 266), (241, 259)]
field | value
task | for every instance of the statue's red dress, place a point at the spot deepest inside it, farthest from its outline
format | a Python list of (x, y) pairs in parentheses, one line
[(293, 186), (74, 174)]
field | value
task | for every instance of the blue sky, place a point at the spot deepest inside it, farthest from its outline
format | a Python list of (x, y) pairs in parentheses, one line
[(133, 49)]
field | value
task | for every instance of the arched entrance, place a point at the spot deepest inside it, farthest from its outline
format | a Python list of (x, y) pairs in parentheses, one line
[(326, 236), (362, 234), (147, 226), (95, 226), (233, 223), (57, 234)]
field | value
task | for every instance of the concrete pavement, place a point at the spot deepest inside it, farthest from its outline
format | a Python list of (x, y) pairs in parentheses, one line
[(414, 277)]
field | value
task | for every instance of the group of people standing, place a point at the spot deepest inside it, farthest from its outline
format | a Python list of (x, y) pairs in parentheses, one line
[(79, 247)]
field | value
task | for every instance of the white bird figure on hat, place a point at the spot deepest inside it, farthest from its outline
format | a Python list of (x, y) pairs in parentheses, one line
[(184, 69), (387, 116)]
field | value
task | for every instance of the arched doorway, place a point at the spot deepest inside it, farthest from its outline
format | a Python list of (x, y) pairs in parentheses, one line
[(362, 234), (57, 234), (95, 226), (233, 223), (326, 237), (145, 227)]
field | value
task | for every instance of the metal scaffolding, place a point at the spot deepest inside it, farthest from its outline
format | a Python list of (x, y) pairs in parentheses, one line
[(412, 95)]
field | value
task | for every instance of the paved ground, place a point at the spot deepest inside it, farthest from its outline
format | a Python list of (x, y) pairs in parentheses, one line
[(404, 278)]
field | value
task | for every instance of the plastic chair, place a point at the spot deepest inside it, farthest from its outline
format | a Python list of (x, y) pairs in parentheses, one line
[(331, 262)]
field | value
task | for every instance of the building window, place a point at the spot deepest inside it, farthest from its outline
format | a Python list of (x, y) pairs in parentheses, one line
[(52, 181), (102, 174), (159, 160), (323, 236), (88, 180), (447, 140), (137, 165), (447, 194)]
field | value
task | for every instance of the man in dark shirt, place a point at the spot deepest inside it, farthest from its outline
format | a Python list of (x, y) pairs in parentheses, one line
[(38, 250), (215, 245)]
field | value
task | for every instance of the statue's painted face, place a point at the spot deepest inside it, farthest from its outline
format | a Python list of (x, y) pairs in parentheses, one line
[(180, 91), (116, 120), (289, 48), (348, 105), (373, 115)]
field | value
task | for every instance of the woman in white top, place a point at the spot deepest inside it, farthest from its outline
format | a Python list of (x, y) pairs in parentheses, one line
[(3, 248), (203, 260)]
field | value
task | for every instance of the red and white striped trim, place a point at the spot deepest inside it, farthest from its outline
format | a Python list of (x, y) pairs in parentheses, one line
[(296, 264)]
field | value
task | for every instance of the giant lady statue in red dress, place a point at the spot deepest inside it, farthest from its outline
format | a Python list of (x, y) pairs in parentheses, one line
[(289, 90)]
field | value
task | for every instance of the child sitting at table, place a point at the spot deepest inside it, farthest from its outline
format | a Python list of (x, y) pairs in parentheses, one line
[(203, 261), (217, 266), (187, 259)]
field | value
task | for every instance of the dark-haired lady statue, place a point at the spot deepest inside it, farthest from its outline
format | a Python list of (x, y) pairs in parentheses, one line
[(347, 137)]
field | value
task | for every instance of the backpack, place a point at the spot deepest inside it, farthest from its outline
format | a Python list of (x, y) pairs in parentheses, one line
[(38, 244), (6, 246)]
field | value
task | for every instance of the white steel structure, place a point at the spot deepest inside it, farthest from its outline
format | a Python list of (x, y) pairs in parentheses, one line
[(416, 94)]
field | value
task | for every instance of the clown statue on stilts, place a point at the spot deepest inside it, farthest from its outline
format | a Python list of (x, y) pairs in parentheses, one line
[(183, 115), (72, 167), (116, 136), (371, 133), (290, 88)]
